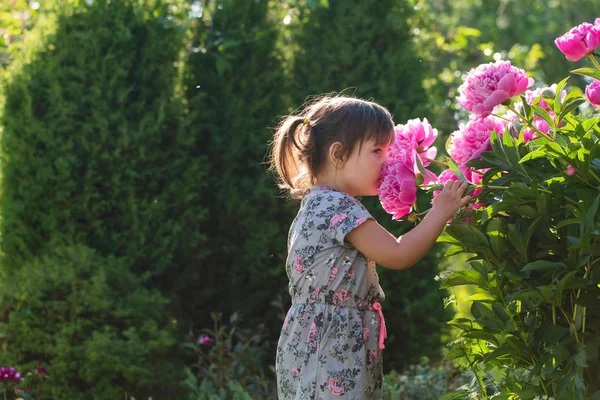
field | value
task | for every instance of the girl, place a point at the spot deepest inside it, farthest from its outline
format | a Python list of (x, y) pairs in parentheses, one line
[(333, 335)]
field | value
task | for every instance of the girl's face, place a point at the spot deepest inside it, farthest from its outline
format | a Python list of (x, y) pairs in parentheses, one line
[(360, 175)]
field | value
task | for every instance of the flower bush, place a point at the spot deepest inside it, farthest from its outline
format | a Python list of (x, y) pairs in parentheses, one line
[(230, 362), (13, 385), (532, 157)]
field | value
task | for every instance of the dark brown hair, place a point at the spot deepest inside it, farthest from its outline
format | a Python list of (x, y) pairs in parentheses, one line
[(301, 142)]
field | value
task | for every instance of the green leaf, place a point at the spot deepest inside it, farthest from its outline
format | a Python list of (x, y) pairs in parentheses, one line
[(539, 153), (452, 165), (568, 221), (591, 72), (464, 277), (558, 97), (542, 265), (454, 354), (481, 297), (591, 215), (422, 169), (453, 250), (448, 239), (482, 335), (545, 115)]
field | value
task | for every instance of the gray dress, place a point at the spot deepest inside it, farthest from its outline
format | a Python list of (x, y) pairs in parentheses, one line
[(330, 341)]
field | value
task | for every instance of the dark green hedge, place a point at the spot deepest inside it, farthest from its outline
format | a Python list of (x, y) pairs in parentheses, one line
[(96, 153), (235, 91)]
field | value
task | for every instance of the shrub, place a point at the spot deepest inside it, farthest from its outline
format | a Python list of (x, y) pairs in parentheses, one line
[(90, 320)]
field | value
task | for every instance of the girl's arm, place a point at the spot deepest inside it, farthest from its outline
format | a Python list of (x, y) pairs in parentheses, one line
[(375, 242)]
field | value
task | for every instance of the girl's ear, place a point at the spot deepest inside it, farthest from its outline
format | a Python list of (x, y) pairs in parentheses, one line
[(336, 154)]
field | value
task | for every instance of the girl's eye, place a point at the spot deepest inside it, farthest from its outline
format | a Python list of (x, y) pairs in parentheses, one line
[(378, 151)]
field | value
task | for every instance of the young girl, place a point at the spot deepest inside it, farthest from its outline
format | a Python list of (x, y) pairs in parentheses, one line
[(333, 335)]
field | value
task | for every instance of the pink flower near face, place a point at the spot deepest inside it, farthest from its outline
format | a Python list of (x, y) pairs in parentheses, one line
[(398, 189), (340, 297), (579, 41), (333, 274), (491, 84), (336, 386), (472, 139), (298, 265), (413, 140), (592, 92)]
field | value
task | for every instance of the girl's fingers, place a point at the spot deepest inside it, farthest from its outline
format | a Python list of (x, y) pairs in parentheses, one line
[(465, 200)]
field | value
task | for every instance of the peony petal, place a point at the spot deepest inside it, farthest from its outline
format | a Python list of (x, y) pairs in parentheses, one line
[(495, 98), (507, 83)]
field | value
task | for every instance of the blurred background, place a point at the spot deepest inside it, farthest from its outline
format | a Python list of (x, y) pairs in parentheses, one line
[(143, 241)]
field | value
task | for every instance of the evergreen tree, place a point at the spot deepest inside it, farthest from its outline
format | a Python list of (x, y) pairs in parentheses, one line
[(235, 91), (95, 155)]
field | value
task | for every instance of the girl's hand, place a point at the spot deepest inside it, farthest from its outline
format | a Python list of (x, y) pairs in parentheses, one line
[(450, 199)]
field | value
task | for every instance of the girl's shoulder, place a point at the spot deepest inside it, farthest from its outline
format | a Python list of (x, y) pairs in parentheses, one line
[(324, 197)]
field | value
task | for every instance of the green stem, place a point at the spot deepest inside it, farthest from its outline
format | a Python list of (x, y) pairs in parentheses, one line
[(594, 61), (431, 160)]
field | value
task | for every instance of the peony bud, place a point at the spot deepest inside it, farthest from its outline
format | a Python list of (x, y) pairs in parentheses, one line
[(206, 340), (571, 170), (41, 371), (592, 92), (412, 218)]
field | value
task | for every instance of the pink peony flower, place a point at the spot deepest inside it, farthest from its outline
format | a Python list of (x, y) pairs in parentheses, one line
[(579, 41), (472, 139), (592, 92), (491, 84), (206, 340), (398, 189), (413, 140), (531, 95), (540, 124), (10, 374), (571, 170), (336, 386)]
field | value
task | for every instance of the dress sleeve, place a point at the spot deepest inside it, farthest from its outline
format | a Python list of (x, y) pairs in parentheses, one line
[(346, 214)]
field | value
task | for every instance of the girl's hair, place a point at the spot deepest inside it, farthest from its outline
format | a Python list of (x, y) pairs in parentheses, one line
[(301, 142)]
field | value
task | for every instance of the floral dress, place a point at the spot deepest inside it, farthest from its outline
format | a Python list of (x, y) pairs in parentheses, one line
[(330, 343)]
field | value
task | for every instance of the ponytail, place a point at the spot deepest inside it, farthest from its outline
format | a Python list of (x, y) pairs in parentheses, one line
[(289, 154)]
